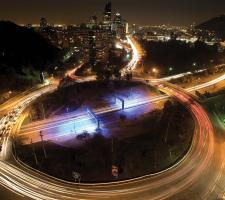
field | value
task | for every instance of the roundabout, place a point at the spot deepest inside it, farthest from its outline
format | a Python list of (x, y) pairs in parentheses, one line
[(171, 182), (199, 175), (143, 138)]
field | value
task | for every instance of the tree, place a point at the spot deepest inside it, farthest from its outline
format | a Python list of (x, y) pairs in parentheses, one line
[(106, 71)]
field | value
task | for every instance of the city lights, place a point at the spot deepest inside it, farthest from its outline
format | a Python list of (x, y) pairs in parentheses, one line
[(112, 100)]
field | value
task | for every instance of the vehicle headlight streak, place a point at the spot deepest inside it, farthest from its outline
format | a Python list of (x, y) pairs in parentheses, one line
[(9, 121), (64, 125), (40, 187), (172, 77), (135, 58)]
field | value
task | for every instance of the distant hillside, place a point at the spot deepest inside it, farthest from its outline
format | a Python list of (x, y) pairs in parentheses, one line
[(216, 24), (180, 55), (23, 53)]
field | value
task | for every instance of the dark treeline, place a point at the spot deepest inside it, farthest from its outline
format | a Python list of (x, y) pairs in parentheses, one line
[(23, 54), (216, 25), (175, 56)]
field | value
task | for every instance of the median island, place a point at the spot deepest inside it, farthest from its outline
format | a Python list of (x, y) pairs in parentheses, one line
[(144, 138)]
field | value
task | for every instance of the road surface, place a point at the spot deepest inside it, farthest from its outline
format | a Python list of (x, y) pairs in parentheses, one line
[(199, 175), (164, 185)]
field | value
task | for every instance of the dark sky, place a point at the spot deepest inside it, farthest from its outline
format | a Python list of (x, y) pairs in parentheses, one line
[(143, 12)]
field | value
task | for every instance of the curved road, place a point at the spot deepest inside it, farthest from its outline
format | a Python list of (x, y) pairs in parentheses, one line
[(66, 121), (160, 186), (200, 175)]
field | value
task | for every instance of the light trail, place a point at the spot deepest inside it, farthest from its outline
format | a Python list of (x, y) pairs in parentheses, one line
[(10, 120), (204, 85), (160, 186), (135, 55), (135, 58), (173, 181), (64, 124), (108, 192), (71, 73), (177, 76), (68, 118)]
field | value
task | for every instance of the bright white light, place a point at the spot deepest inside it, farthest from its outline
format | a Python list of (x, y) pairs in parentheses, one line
[(135, 57), (118, 46)]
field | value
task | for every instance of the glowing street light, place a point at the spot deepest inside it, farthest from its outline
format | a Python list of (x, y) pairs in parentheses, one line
[(170, 69), (155, 70), (194, 64), (118, 46)]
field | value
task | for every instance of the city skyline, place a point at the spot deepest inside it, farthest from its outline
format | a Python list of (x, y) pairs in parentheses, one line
[(112, 99), (146, 12)]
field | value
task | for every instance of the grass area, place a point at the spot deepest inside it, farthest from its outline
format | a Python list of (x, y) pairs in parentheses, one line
[(164, 137), (73, 97)]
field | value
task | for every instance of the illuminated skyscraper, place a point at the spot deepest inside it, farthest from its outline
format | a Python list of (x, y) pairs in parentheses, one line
[(43, 23), (92, 48), (96, 45), (119, 26), (118, 20), (48, 32), (107, 18), (92, 23)]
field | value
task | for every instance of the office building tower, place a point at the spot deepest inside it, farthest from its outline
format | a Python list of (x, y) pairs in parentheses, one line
[(107, 18)]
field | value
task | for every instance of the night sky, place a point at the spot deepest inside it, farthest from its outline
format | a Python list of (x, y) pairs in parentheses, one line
[(143, 12)]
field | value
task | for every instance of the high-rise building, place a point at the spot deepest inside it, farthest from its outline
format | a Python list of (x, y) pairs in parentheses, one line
[(107, 17), (96, 45), (117, 20), (133, 29), (127, 28), (93, 22), (119, 26), (43, 23), (48, 32), (92, 48)]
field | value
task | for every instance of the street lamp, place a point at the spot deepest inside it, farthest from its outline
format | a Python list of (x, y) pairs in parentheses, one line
[(155, 71), (43, 146), (194, 64), (171, 69)]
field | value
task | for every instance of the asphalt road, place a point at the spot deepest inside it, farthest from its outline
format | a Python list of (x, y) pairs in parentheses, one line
[(200, 175), (9, 195), (164, 185), (63, 124)]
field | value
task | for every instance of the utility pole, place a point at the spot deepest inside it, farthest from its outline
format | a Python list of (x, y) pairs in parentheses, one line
[(170, 153), (34, 153), (130, 93), (167, 129), (43, 146), (98, 124), (43, 110), (74, 126)]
